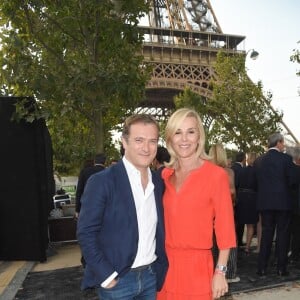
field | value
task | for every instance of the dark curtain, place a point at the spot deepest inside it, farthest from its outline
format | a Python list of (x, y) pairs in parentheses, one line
[(27, 185)]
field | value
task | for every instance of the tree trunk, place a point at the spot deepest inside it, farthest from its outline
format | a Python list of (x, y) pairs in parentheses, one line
[(98, 131)]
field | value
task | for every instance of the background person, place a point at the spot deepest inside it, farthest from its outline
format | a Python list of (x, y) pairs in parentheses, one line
[(295, 222), (196, 200), (246, 212), (88, 170), (162, 157), (237, 166), (121, 226), (274, 175), (218, 156)]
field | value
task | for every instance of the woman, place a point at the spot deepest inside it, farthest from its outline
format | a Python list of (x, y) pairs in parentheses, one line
[(196, 200), (219, 157), (246, 207)]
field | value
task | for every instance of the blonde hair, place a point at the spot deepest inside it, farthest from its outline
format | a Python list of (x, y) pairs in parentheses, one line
[(173, 125), (218, 155), (251, 157)]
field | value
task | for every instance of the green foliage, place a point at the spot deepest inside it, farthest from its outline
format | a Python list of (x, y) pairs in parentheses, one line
[(69, 135), (295, 57), (79, 60), (237, 113)]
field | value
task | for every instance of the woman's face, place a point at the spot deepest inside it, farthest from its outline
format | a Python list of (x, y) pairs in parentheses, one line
[(186, 138)]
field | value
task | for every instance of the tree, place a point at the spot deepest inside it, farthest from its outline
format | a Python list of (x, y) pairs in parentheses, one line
[(77, 59), (239, 111), (295, 57)]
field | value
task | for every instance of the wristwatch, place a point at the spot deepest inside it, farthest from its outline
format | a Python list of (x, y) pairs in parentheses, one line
[(221, 268)]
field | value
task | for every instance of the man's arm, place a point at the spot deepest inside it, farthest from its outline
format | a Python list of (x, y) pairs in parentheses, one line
[(93, 204)]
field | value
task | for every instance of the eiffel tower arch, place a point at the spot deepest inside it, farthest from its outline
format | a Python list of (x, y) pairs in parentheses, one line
[(181, 42)]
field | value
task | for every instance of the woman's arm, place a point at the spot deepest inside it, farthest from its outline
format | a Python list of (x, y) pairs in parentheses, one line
[(219, 283)]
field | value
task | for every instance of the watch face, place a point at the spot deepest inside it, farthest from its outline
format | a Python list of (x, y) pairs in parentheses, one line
[(222, 268)]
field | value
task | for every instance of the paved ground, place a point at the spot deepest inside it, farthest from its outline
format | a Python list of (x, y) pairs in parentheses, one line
[(290, 291), (14, 273), (59, 278), (12, 276)]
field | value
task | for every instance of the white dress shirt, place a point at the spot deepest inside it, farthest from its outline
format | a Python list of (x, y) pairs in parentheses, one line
[(146, 215)]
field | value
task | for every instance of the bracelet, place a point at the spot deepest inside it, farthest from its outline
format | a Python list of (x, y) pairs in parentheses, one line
[(220, 272)]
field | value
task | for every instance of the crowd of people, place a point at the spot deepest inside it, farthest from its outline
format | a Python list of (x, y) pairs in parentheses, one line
[(167, 223)]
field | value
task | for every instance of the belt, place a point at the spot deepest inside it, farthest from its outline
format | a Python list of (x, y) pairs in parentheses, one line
[(246, 190), (140, 268)]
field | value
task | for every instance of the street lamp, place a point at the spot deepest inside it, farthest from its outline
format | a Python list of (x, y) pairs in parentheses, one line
[(253, 54)]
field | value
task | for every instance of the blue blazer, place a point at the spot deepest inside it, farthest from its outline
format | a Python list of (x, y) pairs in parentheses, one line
[(107, 228), (274, 172)]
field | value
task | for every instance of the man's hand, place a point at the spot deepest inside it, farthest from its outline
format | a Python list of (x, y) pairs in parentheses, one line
[(112, 284)]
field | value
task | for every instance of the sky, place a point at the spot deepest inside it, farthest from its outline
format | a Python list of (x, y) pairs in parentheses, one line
[(272, 28)]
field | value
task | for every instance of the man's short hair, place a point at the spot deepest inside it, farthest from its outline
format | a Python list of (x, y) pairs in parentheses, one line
[(240, 156), (137, 118), (162, 155), (100, 159), (274, 139)]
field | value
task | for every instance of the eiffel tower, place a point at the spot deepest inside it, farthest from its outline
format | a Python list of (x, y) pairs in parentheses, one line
[(181, 42)]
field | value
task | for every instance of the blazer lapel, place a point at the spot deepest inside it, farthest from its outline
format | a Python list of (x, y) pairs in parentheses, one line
[(122, 184)]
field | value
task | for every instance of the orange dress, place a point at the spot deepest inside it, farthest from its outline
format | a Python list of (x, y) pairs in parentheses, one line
[(202, 203)]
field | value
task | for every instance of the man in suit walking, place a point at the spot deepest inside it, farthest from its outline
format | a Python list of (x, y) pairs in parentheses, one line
[(274, 174), (120, 228)]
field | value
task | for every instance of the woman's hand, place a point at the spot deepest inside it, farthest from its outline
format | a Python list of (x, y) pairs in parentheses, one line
[(219, 285)]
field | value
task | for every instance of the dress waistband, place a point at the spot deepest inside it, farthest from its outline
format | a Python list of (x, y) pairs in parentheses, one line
[(187, 252)]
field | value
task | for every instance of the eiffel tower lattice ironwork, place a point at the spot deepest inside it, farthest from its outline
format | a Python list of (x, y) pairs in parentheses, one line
[(181, 42)]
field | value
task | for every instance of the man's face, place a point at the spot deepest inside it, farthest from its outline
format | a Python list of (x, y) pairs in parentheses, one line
[(141, 145)]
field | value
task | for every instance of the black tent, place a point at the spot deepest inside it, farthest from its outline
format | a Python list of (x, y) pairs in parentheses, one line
[(26, 185)]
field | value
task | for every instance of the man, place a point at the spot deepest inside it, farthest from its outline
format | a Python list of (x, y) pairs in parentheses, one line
[(237, 167), (295, 222), (274, 174), (85, 174), (120, 228)]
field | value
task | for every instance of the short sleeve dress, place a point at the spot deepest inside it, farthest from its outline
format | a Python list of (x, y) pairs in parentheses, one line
[(202, 204)]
